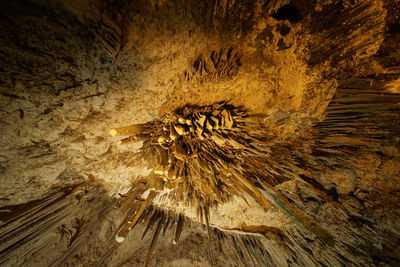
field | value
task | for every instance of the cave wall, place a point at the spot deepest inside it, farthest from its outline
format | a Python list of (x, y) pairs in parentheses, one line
[(71, 70)]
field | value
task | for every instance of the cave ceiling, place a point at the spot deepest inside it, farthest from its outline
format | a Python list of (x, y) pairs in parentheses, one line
[(200, 133)]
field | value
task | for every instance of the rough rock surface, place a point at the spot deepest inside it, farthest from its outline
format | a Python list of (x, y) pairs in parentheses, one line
[(72, 70)]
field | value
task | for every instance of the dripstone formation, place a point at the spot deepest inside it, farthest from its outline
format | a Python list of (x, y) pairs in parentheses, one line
[(202, 156), (243, 133)]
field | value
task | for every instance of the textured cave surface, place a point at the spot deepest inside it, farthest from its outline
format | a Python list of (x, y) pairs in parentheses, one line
[(72, 70)]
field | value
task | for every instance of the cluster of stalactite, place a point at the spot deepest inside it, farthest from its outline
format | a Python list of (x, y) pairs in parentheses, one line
[(202, 156)]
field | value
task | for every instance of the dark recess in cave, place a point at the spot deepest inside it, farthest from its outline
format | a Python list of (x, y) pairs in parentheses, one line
[(288, 12)]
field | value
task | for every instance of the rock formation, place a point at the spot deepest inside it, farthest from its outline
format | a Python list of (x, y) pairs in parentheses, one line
[(180, 133)]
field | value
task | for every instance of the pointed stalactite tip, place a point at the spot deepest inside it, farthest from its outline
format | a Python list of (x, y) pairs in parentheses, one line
[(119, 239)]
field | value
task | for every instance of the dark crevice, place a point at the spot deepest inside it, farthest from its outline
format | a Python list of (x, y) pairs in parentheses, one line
[(394, 28), (288, 12)]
